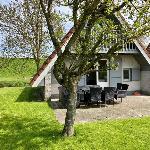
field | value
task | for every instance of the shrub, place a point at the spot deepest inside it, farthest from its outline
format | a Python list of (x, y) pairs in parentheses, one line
[(12, 84)]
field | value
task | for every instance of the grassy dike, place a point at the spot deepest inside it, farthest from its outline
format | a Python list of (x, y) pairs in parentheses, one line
[(16, 72)]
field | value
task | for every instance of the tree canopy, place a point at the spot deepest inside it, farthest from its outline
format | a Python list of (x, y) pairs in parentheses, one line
[(24, 30), (97, 24)]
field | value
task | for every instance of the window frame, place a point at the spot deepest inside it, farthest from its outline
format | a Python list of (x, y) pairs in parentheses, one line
[(101, 70), (129, 70)]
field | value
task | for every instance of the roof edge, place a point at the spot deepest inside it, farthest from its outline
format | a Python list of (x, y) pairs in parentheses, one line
[(52, 56)]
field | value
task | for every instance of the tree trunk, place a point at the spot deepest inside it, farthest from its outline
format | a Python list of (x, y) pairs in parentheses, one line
[(71, 108), (37, 61)]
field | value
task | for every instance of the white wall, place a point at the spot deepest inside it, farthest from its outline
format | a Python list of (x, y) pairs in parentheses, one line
[(128, 61), (41, 83), (145, 81)]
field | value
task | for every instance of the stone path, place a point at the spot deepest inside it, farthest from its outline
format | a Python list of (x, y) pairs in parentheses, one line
[(132, 106)]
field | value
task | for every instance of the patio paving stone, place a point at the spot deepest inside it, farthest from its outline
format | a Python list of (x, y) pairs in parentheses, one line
[(131, 106)]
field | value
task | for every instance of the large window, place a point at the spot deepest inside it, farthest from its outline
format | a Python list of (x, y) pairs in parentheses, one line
[(127, 73)]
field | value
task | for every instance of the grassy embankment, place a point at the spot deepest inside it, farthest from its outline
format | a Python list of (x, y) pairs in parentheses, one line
[(16, 72)]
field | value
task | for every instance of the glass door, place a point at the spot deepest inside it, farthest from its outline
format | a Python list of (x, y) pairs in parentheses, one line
[(103, 74)]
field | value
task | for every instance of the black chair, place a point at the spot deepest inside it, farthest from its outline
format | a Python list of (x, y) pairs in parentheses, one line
[(121, 92), (119, 86), (80, 98), (125, 86), (83, 95), (95, 95), (108, 94)]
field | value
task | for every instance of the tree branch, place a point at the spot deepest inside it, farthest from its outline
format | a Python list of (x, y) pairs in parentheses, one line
[(49, 24)]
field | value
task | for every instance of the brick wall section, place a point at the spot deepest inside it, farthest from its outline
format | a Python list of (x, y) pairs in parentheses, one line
[(55, 91), (145, 82), (51, 86), (47, 86)]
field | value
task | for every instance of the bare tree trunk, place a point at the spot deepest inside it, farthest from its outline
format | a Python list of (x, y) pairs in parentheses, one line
[(71, 108), (37, 61)]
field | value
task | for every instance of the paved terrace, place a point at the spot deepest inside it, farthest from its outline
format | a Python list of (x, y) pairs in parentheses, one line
[(131, 106)]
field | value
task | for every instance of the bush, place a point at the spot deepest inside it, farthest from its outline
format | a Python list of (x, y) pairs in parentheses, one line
[(12, 84)]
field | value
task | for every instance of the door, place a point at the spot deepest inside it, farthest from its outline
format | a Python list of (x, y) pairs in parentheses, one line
[(116, 75), (103, 74)]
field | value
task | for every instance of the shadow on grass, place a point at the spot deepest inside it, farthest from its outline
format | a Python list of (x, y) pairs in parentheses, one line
[(28, 133), (56, 104), (30, 94)]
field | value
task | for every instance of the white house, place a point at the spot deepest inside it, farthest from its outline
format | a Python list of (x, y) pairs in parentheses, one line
[(133, 69)]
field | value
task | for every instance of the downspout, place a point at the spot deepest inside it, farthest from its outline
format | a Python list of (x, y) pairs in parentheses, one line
[(109, 72)]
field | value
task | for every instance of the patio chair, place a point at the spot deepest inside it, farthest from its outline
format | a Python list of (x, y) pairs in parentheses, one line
[(95, 95), (125, 86), (122, 92), (119, 86), (108, 94), (83, 95)]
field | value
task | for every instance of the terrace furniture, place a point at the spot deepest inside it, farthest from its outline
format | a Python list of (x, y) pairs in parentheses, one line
[(83, 95), (81, 98), (88, 94), (108, 94), (95, 95), (121, 91), (119, 86)]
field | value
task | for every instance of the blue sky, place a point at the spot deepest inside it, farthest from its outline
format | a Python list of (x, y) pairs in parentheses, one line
[(5, 1)]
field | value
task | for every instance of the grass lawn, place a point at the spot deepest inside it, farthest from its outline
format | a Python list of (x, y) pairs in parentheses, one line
[(32, 125)]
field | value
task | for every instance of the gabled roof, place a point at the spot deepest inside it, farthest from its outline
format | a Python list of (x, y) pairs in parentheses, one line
[(145, 51), (47, 65), (51, 59)]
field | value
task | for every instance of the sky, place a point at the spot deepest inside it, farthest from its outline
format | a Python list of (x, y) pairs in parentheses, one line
[(4, 1), (62, 10)]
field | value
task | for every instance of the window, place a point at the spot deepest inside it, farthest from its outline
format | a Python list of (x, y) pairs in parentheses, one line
[(127, 73), (102, 75)]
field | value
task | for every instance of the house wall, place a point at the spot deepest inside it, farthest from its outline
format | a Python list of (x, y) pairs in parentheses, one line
[(51, 85), (42, 82), (54, 86), (116, 76), (47, 81), (128, 61), (145, 79)]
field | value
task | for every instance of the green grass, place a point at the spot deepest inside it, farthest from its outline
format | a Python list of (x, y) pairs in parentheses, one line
[(29, 125), (16, 70)]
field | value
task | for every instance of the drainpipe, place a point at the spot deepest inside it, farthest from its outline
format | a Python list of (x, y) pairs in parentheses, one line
[(109, 77), (109, 72)]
